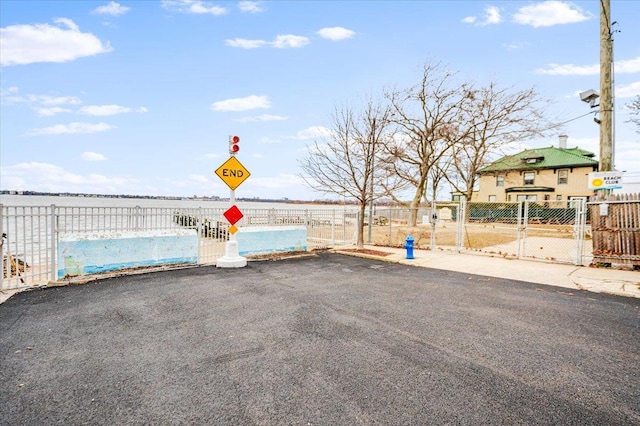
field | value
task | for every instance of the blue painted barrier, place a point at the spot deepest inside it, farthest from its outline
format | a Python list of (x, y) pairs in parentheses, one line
[(271, 239), (92, 253)]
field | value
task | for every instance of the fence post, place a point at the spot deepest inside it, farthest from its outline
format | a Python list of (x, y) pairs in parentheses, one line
[(390, 219), (333, 228), (433, 213), (460, 222), (53, 243), (581, 221), (199, 230), (2, 247), (344, 224), (523, 207)]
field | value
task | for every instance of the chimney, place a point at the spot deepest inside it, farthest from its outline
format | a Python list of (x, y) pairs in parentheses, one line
[(562, 141)]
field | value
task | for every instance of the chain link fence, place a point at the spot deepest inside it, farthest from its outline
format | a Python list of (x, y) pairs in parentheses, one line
[(553, 231)]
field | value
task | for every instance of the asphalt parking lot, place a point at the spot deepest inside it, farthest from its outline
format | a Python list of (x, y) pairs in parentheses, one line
[(322, 340)]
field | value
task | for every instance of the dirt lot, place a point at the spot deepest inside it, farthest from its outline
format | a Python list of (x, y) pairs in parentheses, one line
[(475, 236)]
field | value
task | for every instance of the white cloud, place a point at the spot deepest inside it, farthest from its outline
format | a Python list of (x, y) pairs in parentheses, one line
[(51, 178), (242, 104), (621, 67), (103, 110), (515, 45), (267, 140), (549, 13), (193, 6), (54, 100), (313, 132), (569, 69), (198, 179), (280, 42), (49, 112), (10, 97), (627, 67), (27, 44), (281, 181), (336, 33), (243, 43), (72, 128), (491, 17), (263, 117), (289, 40), (250, 6), (92, 156), (629, 90), (112, 8)]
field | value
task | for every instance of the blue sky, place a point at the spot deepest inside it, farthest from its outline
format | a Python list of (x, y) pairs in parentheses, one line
[(140, 97)]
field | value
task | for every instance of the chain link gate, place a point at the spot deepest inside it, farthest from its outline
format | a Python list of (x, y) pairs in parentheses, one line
[(553, 230)]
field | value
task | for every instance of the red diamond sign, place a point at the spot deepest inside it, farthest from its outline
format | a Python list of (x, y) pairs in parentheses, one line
[(233, 215)]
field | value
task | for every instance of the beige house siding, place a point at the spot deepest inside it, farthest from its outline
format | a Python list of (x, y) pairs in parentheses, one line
[(575, 186)]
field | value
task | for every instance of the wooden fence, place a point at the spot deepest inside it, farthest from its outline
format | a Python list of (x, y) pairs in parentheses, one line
[(615, 224)]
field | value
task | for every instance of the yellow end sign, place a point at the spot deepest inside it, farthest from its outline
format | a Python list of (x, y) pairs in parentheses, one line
[(232, 172)]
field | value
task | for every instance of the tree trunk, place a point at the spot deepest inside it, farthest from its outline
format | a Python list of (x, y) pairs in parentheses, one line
[(360, 241), (415, 203)]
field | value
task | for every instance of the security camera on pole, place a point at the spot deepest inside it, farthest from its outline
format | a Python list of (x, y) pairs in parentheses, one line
[(233, 173)]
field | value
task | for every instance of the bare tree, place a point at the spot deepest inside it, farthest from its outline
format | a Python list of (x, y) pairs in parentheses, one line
[(423, 115), (344, 162), (491, 119), (634, 106)]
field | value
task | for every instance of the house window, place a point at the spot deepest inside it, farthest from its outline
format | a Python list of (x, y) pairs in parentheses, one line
[(499, 180), (492, 198), (529, 178), (563, 176)]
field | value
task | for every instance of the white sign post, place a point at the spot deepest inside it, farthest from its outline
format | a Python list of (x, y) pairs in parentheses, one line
[(233, 173)]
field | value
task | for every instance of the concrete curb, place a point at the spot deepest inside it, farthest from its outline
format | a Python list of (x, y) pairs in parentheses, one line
[(599, 280)]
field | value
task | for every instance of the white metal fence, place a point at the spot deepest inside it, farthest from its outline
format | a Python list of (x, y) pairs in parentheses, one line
[(31, 234), (554, 231)]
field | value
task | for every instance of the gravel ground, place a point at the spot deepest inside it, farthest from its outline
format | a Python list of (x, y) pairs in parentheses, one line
[(323, 340)]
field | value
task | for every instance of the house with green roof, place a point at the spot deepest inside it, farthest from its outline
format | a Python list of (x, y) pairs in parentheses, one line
[(540, 174)]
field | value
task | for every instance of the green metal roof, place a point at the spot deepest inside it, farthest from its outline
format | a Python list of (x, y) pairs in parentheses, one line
[(543, 158)]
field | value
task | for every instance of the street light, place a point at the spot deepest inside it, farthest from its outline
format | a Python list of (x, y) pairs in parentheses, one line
[(590, 96)]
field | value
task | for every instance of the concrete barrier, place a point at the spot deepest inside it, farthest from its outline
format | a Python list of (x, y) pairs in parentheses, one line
[(92, 253), (271, 239)]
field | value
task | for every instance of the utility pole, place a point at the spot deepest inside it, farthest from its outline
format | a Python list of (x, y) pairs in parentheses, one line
[(606, 89), (373, 159)]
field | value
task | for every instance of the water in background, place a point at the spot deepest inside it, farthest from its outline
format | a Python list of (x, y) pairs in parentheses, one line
[(43, 200)]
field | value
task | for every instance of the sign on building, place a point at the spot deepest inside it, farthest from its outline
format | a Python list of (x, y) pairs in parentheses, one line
[(605, 180)]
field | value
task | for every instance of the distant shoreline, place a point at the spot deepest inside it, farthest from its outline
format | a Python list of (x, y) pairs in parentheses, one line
[(167, 197)]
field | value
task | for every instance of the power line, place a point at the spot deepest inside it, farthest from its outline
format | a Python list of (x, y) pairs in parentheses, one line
[(571, 119)]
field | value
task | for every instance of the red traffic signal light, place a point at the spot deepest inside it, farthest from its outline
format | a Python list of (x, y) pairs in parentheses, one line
[(234, 144)]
